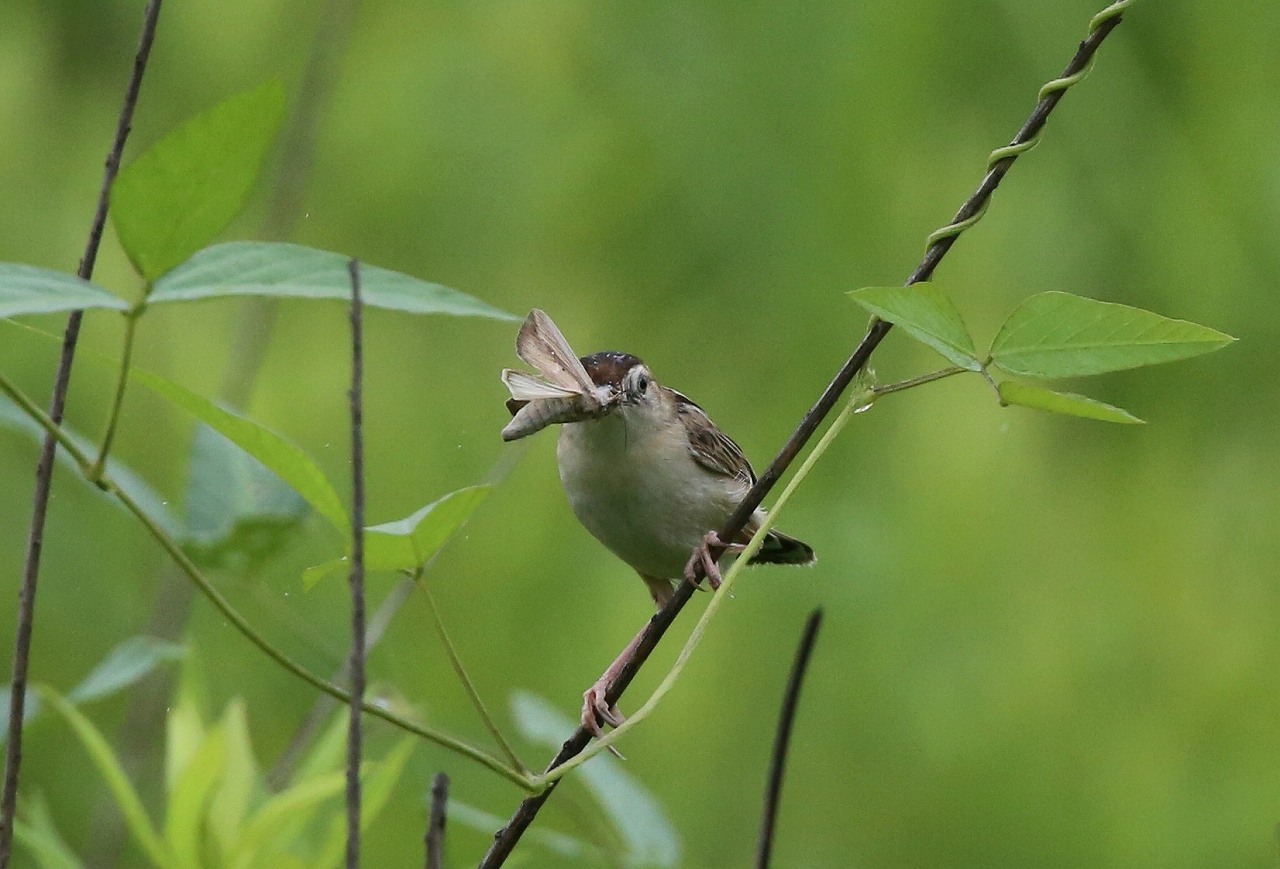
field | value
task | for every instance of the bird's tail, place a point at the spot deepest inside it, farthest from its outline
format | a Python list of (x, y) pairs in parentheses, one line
[(780, 548)]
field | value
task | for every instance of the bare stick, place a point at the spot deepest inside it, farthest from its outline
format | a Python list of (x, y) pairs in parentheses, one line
[(939, 243), (435, 821), (781, 742), (44, 466), (354, 747)]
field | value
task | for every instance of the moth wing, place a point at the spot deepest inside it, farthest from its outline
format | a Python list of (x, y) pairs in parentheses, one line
[(542, 345), (526, 387)]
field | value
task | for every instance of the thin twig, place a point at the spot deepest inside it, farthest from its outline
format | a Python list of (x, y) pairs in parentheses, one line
[(354, 739), (939, 244), (44, 466), (435, 821), (778, 763)]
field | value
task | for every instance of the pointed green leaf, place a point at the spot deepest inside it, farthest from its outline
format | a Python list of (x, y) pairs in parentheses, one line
[(186, 188), (125, 665), (238, 512), (31, 290), (190, 795), (252, 268), (230, 804), (409, 543), (283, 458), (649, 836), (1061, 335), (95, 744), (184, 725), (1025, 395), (925, 313), (284, 813)]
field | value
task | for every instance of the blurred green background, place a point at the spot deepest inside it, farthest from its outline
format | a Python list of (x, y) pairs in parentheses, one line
[(1048, 641)]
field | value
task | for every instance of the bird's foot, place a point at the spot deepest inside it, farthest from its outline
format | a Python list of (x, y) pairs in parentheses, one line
[(596, 709), (703, 557)]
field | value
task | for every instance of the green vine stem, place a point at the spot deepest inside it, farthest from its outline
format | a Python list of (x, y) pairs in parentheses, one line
[(469, 686), (117, 402), (999, 161), (888, 388), (238, 621)]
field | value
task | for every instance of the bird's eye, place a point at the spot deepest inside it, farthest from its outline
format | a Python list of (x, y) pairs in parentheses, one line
[(642, 383)]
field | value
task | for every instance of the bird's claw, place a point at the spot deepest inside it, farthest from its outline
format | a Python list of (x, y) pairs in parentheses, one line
[(703, 558), (596, 709)]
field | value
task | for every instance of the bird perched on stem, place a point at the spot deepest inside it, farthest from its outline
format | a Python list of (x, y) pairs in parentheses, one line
[(645, 470)]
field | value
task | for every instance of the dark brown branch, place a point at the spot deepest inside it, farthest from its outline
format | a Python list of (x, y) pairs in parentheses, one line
[(44, 466), (354, 731), (435, 821), (505, 839), (778, 763)]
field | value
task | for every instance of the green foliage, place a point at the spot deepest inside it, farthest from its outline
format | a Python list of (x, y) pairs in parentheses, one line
[(287, 461), (124, 666), (407, 544), (1049, 335), (185, 189), (925, 313), (218, 811), (1030, 395), (1061, 335), (30, 290), (35, 831), (12, 418), (255, 268), (237, 509)]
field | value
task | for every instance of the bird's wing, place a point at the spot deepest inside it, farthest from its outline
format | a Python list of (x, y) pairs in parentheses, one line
[(710, 447)]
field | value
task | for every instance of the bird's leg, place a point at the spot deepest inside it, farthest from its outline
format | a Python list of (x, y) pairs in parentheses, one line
[(595, 708), (702, 556)]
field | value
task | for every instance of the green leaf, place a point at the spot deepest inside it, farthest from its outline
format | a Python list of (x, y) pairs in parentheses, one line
[(1025, 395), (408, 543), (31, 290), (1061, 335), (230, 804), (113, 773), (125, 665), (157, 507), (284, 813), (190, 794), (649, 836), (35, 831), (925, 313), (283, 458), (238, 512), (257, 268), (184, 725), (185, 189)]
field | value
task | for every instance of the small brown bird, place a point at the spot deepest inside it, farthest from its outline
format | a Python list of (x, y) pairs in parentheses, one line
[(645, 469)]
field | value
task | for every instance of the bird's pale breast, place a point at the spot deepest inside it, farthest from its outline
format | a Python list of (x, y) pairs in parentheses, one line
[(633, 484)]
